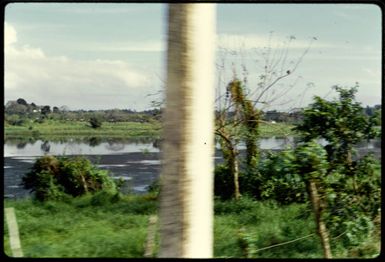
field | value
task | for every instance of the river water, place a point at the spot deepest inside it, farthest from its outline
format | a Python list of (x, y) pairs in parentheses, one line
[(137, 162)]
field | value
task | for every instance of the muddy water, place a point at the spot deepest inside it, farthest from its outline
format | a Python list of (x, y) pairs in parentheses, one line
[(138, 163)]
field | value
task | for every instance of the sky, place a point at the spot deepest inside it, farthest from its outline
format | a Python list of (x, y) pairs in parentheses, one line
[(107, 56)]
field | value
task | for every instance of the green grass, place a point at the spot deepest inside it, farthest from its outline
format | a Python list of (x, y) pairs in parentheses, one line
[(79, 229), (55, 129), (51, 129), (276, 129), (241, 229)]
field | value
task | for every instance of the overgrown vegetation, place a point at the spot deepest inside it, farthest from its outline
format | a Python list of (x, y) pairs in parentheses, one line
[(53, 178), (82, 227), (344, 191), (305, 202), (242, 229)]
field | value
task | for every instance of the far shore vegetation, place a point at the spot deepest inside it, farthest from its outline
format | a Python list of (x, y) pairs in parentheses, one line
[(311, 201), (28, 120), (60, 129)]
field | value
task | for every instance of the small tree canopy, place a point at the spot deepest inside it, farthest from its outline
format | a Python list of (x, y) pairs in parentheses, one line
[(21, 101), (95, 122), (341, 122)]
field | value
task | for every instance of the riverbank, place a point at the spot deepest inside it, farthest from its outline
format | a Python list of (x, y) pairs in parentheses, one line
[(55, 130), (137, 161), (138, 170), (245, 228)]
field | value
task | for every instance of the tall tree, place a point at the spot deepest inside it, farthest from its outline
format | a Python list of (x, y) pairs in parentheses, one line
[(45, 110), (246, 104), (341, 122), (22, 101), (186, 196), (311, 163)]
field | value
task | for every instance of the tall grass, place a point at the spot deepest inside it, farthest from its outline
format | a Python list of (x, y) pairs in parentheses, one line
[(245, 228), (80, 229)]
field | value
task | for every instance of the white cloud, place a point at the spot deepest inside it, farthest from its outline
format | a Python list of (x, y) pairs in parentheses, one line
[(145, 46), (31, 74), (10, 35)]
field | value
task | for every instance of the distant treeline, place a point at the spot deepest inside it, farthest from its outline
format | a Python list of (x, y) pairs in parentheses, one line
[(17, 111)]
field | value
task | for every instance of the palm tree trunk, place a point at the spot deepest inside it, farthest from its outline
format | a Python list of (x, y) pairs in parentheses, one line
[(186, 197)]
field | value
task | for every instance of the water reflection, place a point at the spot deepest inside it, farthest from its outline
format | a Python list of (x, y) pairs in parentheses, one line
[(113, 146), (87, 146), (21, 145), (94, 141), (45, 147), (105, 146)]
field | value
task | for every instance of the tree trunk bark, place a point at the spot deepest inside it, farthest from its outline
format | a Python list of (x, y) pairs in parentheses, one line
[(186, 197), (234, 167), (321, 227), (251, 151)]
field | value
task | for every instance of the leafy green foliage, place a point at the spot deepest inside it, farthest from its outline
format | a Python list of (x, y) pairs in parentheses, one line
[(280, 180), (311, 160), (58, 178), (249, 182), (350, 188), (341, 122), (15, 120), (285, 172), (354, 201)]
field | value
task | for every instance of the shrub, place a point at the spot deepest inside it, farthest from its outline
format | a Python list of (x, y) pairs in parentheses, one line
[(57, 178), (249, 182), (154, 187), (223, 182), (105, 197), (15, 120), (95, 122), (281, 181)]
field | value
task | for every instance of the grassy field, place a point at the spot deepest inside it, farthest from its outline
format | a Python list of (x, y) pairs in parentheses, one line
[(276, 129), (51, 129), (241, 229), (54, 129)]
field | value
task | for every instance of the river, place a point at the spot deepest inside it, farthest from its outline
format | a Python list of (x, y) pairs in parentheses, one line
[(137, 162)]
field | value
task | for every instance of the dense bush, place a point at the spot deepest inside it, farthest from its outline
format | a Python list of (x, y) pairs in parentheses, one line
[(251, 182), (354, 201), (95, 122), (223, 182), (59, 178), (281, 181), (15, 120)]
